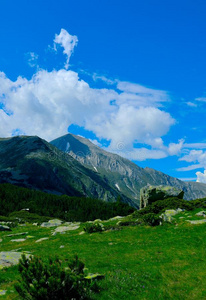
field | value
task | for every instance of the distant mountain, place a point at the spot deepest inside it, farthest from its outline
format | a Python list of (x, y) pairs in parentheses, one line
[(31, 162), (120, 173)]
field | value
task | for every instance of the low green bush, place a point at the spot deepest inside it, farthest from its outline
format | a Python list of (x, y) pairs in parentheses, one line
[(151, 219), (93, 227), (128, 223), (51, 281), (160, 206)]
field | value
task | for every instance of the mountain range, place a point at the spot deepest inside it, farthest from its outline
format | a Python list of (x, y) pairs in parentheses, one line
[(74, 166)]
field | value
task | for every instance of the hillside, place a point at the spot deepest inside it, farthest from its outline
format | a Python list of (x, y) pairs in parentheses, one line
[(138, 261), (31, 162), (121, 173)]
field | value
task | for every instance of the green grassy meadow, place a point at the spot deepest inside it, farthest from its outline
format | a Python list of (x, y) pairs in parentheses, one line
[(139, 262)]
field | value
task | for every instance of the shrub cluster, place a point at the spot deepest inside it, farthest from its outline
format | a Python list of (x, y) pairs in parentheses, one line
[(151, 219), (160, 206), (93, 227), (51, 281)]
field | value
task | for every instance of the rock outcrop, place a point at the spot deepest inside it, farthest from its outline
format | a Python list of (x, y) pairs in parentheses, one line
[(150, 194)]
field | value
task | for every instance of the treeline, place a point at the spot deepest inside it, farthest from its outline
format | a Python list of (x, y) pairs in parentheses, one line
[(14, 198)]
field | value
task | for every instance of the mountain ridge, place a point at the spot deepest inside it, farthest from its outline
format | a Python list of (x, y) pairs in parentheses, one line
[(122, 173), (30, 161)]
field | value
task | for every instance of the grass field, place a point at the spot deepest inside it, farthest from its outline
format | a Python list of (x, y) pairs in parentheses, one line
[(139, 262)]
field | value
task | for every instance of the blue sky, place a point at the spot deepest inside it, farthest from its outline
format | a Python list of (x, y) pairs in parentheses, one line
[(129, 75)]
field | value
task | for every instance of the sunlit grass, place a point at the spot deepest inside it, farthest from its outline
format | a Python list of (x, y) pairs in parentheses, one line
[(139, 262)]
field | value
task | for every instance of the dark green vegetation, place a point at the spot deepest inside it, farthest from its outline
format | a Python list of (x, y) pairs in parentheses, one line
[(138, 261), (13, 199), (95, 227), (51, 280), (120, 173), (171, 203)]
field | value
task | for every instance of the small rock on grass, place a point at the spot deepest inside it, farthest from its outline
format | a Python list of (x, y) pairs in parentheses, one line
[(2, 292), (197, 221), (42, 239), (16, 234), (201, 214), (82, 232), (18, 240), (4, 228)]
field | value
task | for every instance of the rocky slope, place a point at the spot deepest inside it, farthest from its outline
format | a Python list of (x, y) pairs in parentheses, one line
[(121, 173), (32, 162)]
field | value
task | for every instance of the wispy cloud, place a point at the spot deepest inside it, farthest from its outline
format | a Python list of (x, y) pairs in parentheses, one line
[(68, 42), (190, 168), (191, 104), (32, 59), (201, 99)]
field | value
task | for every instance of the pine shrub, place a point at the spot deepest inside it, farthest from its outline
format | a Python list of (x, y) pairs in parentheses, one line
[(93, 227), (51, 281), (151, 219)]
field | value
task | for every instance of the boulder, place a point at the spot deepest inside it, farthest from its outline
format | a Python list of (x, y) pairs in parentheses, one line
[(2, 292), (42, 239), (150, 194), (9, 258), (4, 228), (201, 214), (52, 223), (167, 216), (63, 229), (197, 221)]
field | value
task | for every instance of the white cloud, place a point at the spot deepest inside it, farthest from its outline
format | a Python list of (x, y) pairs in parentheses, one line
[(68, 42), (129, 124), (48, 103), (141, 154), (201, 99), (190, 168), (192, 104), (108, 81), (201, 177), (32, 59), (140, 95), (195, 156), (175, 149), (187, 178), (198, 158), (195, 145)]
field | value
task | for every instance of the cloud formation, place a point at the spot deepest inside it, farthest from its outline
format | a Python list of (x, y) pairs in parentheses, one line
[(68, 42), (48, 103), (198, 160), (32, 59), (201, 177)]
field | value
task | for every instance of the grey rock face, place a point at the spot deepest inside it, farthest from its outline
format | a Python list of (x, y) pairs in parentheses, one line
[(149, 194)]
